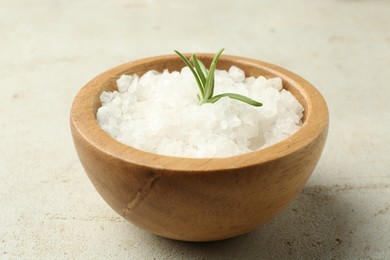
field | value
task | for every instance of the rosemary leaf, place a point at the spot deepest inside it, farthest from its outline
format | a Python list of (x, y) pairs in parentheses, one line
[(201, 75), (237, 97), (198, 81), (206, 81), (210, 83), (203, 67), (209, 87)]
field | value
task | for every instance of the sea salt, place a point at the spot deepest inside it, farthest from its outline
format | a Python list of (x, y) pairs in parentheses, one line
[(159, 113)]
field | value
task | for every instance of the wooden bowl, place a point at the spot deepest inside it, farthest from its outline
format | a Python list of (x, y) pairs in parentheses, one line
[(198, 199)]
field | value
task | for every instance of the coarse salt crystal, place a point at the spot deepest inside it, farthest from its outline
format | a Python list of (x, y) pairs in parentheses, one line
[(159, 113)]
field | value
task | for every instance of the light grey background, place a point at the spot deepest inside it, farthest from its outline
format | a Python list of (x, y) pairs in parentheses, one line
[(51, 48)]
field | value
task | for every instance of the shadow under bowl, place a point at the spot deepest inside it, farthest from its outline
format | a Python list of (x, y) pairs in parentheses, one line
[(198, 199)]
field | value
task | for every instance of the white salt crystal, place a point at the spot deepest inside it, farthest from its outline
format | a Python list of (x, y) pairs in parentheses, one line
[(223, 124), (148, 78), (102, 115), (133, 84), (106, 97), (123, 82), (159, 113), (250, 80), (236, 74), (275, 83), (234, 121)]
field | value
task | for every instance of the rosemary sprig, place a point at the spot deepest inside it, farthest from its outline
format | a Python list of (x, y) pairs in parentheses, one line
[(205, 79)]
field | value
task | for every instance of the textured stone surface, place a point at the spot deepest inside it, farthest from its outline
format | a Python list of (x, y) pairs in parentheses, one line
[(49, 49)]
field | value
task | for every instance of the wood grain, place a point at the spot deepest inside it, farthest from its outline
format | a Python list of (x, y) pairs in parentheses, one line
[(198, 199)]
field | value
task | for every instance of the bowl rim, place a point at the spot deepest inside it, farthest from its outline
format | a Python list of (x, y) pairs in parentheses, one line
[(83, 123)]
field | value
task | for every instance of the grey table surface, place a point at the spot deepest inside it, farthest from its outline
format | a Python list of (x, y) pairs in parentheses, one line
[(50, 49)]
